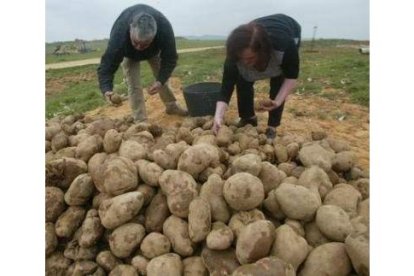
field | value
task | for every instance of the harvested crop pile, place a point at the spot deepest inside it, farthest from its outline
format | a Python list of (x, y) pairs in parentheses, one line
[(138, 199)]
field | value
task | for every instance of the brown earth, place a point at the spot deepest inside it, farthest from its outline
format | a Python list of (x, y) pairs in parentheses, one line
[(339, 118)]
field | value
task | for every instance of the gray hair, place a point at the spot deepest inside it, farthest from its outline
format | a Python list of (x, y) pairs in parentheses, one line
[(143, 27)]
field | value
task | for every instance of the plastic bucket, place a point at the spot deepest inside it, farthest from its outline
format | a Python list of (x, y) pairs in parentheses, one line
[(201, 98)]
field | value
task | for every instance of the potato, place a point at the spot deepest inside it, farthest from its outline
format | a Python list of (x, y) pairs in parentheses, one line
[(272, 206), (154, 245), (220, 238), (156, 213), (132, 150), (96, 170), (97, 200), (343, 161), (116, 211), (199, 219), (333, 222), (84, 267), (224, 136), (88, 147), (243, 191), (55, 204), (287, 167), (65, 152), (270, 176), (205, 138), (74, 140), (357, 248), (297, 202), (59, 141), (51, 238), (297, 171), (313, 154), (268, 266), (255, 241), (112, 140), (51, 131), (140, 263), (234, 148), (57, 264), (92, 229), (289, 246), (180, 189), (290, 180), (176, 230), (69, 221), (164, 160), (197, 158), (281, 153), (184, 134), (212, 191), (100, 126), (327, 259), (62, 172), (362, 185), (149, 172), (240, 219), (194, 266), (296, 225), (269, 153), (363, 210), (344, 196), (119, 176), (125, 239), (107, 260), (80, 191), (338, 145), (168, 264), (249, 163), (123, 270), (316, 179), (75, 252), (219, 262), (292, 150)]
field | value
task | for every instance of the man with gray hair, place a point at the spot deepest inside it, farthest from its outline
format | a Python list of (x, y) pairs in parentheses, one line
[(141, 33)]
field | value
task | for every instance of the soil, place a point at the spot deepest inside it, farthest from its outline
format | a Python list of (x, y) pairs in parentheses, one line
[(338, 117)]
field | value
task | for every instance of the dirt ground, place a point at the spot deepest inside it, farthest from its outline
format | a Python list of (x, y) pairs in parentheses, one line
[(338, 118)]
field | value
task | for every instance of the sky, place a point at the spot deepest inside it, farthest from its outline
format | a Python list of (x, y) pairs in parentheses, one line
[(93, 19)]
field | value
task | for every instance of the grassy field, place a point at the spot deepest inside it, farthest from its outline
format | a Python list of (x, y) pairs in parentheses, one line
[(333, 69), (98, 47)]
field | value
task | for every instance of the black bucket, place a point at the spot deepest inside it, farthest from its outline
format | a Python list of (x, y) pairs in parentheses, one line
[(201, 98)]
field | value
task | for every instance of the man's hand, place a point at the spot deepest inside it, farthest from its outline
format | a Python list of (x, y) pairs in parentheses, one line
[(154, 88), (108, 95), (218, 116), (217, 124)]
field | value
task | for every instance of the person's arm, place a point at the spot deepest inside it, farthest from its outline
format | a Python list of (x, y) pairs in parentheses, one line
[(230, 73), (168, 53)]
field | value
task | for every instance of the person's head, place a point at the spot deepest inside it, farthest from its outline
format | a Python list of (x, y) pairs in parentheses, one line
[(142, 30), (250, 45)]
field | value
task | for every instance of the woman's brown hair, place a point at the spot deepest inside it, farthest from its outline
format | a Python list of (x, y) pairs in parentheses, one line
[(251, 36)]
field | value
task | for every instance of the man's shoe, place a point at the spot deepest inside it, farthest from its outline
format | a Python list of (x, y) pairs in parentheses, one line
[(174, 109), (245, 121), (270, 133)]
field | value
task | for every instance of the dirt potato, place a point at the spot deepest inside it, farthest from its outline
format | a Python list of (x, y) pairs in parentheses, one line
[(316, 179), (176, 230), (281, 153), (97, 200), (327, 259), (199, 219), (338, 145), (51, 238), (268, 266), (243, 191), (333, 222), (234, 148), (314, 154), (220, 262), (88, 147), (57, 264), (119, 176), (297, 202), (55, 203), (270, 176), (212, 191), (167, 264), (220, 238), (80, 191), (140, 263), (92, 229), (51, 131), (272, 206), (250, 163), (112, 140), (156, 213), (224, 136), (149, 172), (69, 221), (344, 196), (100, 126), (107, 260), (240, 219), (116, 211), (125, 239), (59, 141), (357, 248), (289, 246), (193, 266), (287, 167), (132, 150), (123, 270), (62, 172), (154, 245), (197, 158), (255, 241)]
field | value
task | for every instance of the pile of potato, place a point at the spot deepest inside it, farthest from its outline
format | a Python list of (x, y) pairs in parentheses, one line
[(138, 199)]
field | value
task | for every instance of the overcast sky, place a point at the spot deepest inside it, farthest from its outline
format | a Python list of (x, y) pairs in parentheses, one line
[(93, 19)]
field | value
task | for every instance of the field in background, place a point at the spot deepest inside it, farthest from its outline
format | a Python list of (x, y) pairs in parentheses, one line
[(332, 69)]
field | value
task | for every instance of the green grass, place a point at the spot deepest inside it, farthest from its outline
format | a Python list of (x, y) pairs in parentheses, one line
[(344, 70), (99, 46)]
